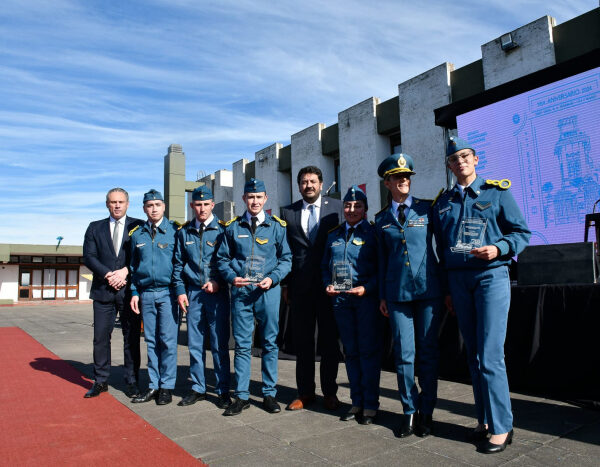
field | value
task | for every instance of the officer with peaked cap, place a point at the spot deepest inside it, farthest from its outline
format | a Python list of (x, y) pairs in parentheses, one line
[(152, 247), (204, 296), (254, 257), (479, 228), (410, 292), (351, 254)]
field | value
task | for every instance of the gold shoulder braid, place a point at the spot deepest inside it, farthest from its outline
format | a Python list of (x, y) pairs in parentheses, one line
[(281, 221), (503, 184), (133, 230)]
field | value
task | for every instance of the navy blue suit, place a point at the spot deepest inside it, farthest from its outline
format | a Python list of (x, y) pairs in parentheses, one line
[(99, 256)]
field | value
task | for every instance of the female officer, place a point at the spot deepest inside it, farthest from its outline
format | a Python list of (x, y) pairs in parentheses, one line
[(410, 292), (479, 228), (349, 269)]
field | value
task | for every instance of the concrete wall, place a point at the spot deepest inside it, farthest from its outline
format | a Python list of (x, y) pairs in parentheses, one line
[(9, 282), (174, 181), (84, 284), (535, 51), (277, 183), (421, 138), (238, 175), (361, 150), (306, 150)]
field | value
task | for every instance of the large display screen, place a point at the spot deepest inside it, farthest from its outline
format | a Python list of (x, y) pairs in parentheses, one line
[(547, 142)]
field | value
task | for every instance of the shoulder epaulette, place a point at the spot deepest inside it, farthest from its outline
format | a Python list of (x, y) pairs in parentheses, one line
[(176, 224), (503, 184), (181, 226), (133, 230), (223, 223), (438, 195), (230, 221), (386, 207), (281, 221), (336, 227)]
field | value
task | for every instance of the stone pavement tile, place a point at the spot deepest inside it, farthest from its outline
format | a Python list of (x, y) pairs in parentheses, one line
[(547, 455), (279, 456), (294, 426), (411, 456), (221, 443), (350, 445), (584, 441), (175, 425)]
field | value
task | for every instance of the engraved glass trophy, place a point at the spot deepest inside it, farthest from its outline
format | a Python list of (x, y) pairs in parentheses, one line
[(471, 234), (254, 268), (341, 275)]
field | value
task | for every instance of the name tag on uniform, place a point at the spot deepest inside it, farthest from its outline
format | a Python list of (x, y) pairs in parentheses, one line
[(210, 243), (162, 246), (447, 208), (482, 206), (337, 243), (243, 236), (190, 243), (420, 222), (139, 245), (262, 241), (387, 226), (358, 241)]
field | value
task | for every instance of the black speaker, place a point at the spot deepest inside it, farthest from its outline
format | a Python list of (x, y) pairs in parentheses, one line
[(567, 263)]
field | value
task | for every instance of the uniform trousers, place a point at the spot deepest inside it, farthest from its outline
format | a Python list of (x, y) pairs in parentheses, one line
[(208, 314), (250, 303), (415, 327), (105, 314), (359, 326), (481, 299), (160, 314)]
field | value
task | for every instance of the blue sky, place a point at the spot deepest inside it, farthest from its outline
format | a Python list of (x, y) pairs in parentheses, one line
[(93, 92)]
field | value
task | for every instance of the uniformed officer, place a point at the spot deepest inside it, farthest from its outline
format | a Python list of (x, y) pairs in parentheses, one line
[(479, 228), (254, 257), (152, 247), (410, 292), (204, 296), (349, 271)]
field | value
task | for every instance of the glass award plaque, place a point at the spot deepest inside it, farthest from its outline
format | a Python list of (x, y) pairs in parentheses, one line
[(254, 269), (341, 276), (471, 234)]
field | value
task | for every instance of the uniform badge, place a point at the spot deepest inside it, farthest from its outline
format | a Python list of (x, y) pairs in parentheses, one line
[(262, 241), (190, 243), (443, 210), (358, 241), (401, 162), (387, 226), (210, 243), (139, 245), (162, 246), (243, 236), (337, 243), (482, 206)]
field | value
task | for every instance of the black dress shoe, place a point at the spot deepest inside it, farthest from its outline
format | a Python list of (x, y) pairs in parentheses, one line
[(407, 427), (96, 389), (424, 424), (271, 405), (132, 390), (148, 396), (164, 397), (476, 436), (192, 398), (350, 415), (365, 419), (491, 448), (236, 407), (224, 401)]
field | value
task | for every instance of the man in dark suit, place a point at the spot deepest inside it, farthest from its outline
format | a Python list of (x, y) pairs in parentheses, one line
[(308, 221), (106, 252)]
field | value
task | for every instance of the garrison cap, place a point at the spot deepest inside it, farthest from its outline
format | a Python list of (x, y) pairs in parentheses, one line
[(153, 195), (396, 164), (202, 193), (456, 144), (356, 194), (254, 186)]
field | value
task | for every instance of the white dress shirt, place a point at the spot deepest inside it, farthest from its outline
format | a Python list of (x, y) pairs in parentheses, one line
[(305, 214), (121, 222), (206, 222)]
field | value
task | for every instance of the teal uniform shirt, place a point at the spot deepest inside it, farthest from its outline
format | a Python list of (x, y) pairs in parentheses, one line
[(360, 251), (196, 256), (152, 259), (505, 225), (408, 267)]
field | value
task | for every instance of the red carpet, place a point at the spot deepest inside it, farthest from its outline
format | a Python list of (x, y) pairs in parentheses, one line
[(44, 419)]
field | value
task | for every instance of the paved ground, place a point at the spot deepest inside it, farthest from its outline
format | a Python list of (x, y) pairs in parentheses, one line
[(547, 432)]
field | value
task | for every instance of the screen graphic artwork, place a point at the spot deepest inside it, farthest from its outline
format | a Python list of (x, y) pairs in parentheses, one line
[(547, 142)]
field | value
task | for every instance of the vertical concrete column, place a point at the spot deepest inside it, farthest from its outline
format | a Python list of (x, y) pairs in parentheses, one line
[(420, 137), (174, 190), (223, 185), (361, 150), (306, 150), (239, 180), (266, 168), (535, 51)]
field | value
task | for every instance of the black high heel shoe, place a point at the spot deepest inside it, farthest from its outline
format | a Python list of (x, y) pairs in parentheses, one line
[(491, 448)]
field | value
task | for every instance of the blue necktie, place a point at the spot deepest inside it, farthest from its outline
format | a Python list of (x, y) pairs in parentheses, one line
[(312, 223)]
